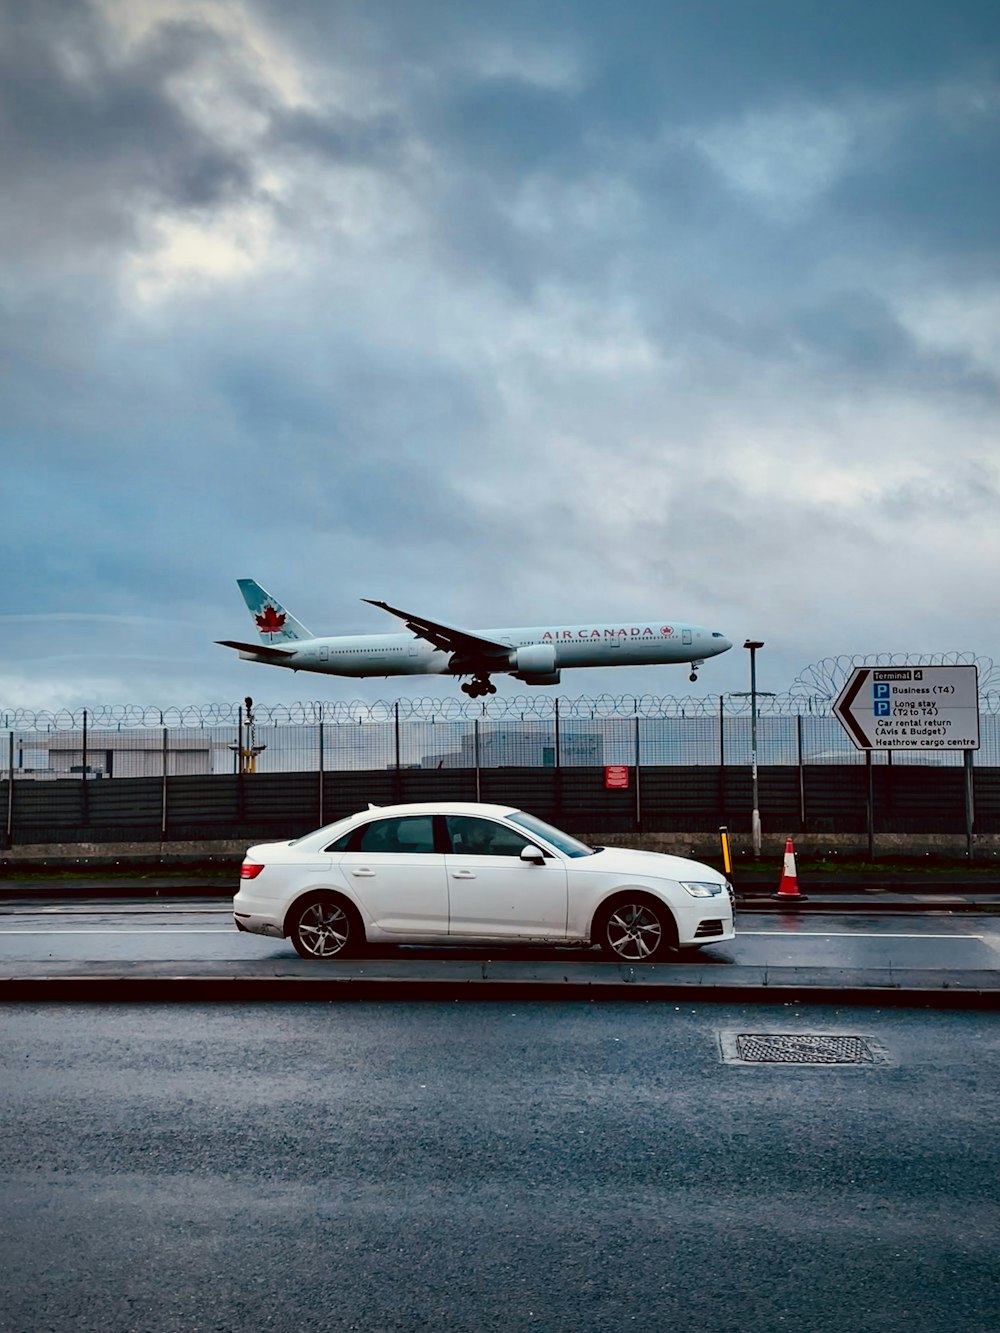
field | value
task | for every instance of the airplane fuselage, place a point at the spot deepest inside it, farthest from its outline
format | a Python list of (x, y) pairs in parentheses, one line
[(534, 654), (534, 651)]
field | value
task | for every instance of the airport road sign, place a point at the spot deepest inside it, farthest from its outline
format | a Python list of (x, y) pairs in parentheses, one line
[(911, 708)]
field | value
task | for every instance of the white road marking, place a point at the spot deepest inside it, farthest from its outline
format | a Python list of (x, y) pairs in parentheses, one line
[(855, 935), (148, 930)]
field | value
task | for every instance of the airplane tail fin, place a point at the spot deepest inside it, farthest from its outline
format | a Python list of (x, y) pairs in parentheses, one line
[(274, 623)]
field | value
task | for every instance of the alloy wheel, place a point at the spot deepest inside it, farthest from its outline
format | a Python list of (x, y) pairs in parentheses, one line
[(323, 930), (634, 932)]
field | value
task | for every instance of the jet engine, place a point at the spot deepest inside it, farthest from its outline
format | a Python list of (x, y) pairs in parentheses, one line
[(538, 677), (535, 664), (535, 659)]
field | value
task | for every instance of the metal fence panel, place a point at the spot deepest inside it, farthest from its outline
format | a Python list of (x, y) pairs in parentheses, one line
[(261, 807), (223, 771)]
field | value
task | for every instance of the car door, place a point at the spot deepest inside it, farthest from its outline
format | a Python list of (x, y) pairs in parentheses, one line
[(492, 892), (397, 873)]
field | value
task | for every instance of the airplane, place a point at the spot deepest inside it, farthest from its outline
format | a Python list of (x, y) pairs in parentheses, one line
[(535, 655)]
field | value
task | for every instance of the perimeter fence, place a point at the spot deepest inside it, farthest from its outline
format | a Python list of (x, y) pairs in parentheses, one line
[(245, 771)]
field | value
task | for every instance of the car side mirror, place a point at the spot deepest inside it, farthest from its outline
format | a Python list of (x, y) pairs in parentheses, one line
[(534, 855)]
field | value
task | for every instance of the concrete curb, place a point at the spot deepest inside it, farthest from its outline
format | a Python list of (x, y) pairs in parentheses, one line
[(505, 981)]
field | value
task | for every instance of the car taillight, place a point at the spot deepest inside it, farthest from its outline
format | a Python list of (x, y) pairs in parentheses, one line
[(250, 870)]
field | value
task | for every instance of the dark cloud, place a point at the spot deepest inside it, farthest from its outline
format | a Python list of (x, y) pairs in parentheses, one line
[(508, 127), (516, 327), (937, 188), (339, 136), (858, 334), (968, 494), (87, 140), (644, 61)]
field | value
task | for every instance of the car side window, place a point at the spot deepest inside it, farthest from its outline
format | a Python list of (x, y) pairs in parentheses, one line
[(410, 834), (472, 836), (340, 844)]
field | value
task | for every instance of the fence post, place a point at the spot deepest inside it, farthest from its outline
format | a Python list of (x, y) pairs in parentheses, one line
[(871, 806), (163, 793), (970, 809), (475, 753), (321, 762), (890, 787), (638, 796), (10, 794), (722, 732), (240, 792), (398, 779), (802, 774), (558, 765), (85, 790), (722, 758)]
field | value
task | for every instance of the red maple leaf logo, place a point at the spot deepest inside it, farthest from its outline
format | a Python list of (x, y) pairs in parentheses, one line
[(270, 620)]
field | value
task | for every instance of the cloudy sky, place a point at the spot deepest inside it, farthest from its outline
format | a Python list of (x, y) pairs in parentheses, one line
[(506, 313)]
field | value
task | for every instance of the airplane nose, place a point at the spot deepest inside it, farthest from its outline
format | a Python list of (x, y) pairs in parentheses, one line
[(722, 644)]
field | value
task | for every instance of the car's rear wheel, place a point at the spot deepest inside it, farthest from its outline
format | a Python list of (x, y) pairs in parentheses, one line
[(636, 929), (325, 927)]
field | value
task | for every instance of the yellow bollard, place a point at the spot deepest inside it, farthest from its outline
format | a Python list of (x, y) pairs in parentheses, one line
[(727, 860)]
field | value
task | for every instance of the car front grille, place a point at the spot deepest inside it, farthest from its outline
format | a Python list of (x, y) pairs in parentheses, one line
[(708, 928)]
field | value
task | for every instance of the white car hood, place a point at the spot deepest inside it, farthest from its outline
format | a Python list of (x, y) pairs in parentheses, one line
[(660, 864)]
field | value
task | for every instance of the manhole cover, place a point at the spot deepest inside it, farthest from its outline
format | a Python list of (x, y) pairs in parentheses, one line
[(800, 1048)]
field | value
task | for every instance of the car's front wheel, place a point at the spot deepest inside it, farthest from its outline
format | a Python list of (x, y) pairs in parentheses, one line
[(324, 927), (636, 929)]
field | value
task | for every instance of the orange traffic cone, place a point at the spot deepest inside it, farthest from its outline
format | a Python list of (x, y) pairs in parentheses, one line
[(788, 889)]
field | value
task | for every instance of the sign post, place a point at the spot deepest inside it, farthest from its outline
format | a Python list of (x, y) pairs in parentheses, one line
[(918, 708)]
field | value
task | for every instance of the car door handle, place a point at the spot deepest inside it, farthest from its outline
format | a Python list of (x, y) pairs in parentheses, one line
[(363, 873), (463, 874)]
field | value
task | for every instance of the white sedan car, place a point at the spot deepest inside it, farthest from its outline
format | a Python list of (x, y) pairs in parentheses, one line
[(457, 873)]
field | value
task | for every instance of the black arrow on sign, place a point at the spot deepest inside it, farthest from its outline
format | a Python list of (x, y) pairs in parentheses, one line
[(843, 711)]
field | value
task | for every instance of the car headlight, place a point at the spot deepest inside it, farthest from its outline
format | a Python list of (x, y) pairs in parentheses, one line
[(698, 890)]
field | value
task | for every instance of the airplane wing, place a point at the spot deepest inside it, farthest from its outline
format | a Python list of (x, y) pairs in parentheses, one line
[(258, 649), (448, 639)]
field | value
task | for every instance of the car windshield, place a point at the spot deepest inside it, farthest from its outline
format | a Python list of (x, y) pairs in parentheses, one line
[(563, 841)]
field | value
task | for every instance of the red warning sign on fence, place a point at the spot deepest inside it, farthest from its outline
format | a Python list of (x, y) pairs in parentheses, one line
[(615, 776)]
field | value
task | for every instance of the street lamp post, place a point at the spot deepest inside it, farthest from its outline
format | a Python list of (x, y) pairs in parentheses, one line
[(753, 645)]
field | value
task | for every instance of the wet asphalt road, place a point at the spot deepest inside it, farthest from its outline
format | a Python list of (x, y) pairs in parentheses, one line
[(576, 1168), (130, 934)]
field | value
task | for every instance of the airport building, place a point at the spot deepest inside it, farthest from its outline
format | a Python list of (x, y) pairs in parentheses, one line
[(503, 747)]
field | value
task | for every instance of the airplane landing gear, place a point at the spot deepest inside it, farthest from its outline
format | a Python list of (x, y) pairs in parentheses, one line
[(479, 685), (694, 670)]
